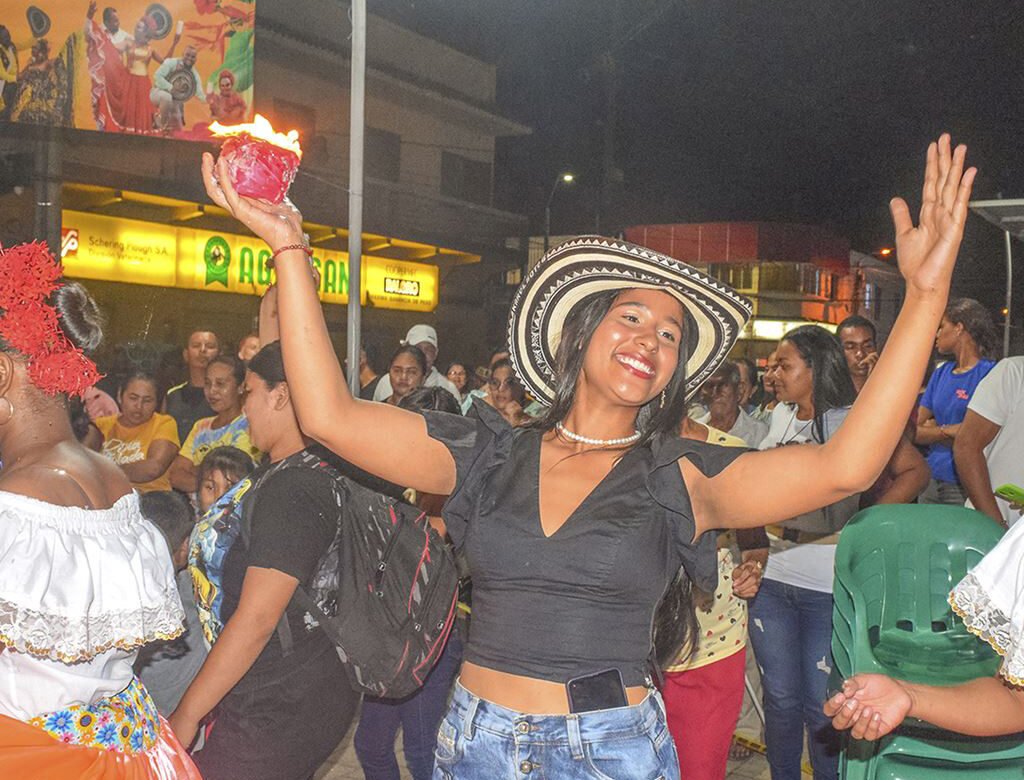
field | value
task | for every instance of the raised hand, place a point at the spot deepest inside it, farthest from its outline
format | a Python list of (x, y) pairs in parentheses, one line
[(277, 224), (927, 253), (870, 705)]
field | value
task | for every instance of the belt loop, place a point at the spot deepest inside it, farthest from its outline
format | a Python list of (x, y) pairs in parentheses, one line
[(659, 705), (572, 726), (470, 714)]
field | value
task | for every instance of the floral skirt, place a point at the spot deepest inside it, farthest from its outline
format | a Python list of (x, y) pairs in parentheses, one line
[(121, 737)]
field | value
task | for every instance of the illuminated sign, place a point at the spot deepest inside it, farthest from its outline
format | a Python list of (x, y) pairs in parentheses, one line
[(775, 330), (125, 250), (401, 286)]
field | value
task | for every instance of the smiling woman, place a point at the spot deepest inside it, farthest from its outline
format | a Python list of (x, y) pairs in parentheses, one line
[(574, 540), (224, 388)]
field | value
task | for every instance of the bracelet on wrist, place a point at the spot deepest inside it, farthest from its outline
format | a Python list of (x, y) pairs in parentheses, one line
[(288, 248)]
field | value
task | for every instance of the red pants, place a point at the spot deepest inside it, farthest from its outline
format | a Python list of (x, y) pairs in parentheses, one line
[(703, 706)]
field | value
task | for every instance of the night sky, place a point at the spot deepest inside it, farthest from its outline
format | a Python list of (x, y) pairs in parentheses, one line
[(814, 112)]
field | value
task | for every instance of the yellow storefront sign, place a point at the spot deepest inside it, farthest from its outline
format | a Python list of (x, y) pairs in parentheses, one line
[(135, 252)]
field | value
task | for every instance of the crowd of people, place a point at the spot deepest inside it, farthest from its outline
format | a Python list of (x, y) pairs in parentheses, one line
[(623, 498)]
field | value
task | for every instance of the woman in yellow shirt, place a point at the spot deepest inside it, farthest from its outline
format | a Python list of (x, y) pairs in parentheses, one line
[(140, 440)]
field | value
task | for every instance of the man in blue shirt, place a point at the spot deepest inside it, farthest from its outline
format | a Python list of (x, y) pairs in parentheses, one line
[(176, 82)]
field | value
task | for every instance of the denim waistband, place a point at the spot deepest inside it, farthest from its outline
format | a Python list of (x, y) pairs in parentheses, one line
[(474, 713)]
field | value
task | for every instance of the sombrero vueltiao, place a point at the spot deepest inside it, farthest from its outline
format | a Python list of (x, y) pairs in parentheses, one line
[(577, 269)]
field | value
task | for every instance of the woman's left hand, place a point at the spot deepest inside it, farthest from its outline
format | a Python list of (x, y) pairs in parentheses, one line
[(184, 728), (926, 253)]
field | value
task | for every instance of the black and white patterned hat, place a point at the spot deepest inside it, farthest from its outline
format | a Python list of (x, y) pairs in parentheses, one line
[(577, 269)]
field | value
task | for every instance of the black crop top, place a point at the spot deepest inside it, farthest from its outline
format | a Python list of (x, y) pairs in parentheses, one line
[(582, 600)]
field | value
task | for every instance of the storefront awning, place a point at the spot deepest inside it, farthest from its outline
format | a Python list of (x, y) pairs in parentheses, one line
[(106, 201)]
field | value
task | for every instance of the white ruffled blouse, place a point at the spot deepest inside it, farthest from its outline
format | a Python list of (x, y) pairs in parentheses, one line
[(80, 591), (990, 599)]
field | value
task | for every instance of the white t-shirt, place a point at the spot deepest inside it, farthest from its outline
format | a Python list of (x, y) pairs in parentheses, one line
[(808, 566), (998, 398)]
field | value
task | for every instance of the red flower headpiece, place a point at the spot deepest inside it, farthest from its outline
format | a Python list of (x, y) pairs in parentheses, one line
[(28, 274)]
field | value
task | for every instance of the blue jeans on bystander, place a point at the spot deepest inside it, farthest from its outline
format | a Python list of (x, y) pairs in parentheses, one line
[(791, 633), (418, 715)]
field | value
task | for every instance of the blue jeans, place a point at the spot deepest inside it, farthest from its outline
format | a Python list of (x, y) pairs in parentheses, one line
[(418, 715), (791, 633), (480, 740)]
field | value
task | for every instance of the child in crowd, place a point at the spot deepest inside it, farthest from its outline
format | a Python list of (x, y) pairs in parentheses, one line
[(219, 470), (168, 667)]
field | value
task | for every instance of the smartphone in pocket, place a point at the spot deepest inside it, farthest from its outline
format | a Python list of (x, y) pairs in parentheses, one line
[(598, 691)]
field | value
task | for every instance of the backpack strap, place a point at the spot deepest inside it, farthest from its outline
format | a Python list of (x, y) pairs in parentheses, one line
[(284, 629), (301, 596)]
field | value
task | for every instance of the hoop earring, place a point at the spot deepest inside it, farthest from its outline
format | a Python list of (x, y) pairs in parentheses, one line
[(6, 411)]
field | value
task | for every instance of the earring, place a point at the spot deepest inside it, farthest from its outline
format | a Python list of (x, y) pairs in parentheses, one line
[(6, 411), (663, 394)]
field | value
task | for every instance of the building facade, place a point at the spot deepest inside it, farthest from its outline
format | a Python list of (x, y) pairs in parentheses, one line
[(793, 274)]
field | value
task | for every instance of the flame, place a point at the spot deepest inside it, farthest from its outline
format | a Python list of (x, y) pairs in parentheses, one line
[(262, 129)]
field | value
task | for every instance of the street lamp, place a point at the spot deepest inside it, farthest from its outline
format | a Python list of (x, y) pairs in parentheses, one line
[(562, 178)]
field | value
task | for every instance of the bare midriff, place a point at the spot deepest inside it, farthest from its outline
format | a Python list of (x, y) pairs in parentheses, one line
[(525, 694)]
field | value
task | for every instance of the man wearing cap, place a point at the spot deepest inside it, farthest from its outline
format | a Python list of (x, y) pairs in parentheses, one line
[(424, 337)]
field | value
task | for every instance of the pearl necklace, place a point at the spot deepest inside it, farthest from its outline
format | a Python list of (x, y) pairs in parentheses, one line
[(635, 436)]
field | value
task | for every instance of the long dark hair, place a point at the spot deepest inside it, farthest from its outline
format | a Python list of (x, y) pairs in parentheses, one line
[(661, 415), (833, 388), (977, 323), (675, 620)]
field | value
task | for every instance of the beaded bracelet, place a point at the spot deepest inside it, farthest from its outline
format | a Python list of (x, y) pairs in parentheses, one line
[(288, 248)]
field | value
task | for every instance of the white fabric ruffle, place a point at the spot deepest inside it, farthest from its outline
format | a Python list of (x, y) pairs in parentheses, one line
[(990, 599), (75, 583)]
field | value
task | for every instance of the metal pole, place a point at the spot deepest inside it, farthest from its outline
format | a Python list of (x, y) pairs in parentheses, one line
[(47, 188), (355, 191), (547, 213), (547, 225), (1009, 294)]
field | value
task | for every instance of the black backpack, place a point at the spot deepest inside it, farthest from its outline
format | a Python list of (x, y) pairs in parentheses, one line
[(384, 592)]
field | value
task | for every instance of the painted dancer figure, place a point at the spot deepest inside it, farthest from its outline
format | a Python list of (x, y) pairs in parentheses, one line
[(577, 527), (85, 580), (108, 76)]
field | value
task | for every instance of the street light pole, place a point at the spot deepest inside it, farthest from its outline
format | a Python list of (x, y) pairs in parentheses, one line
[(1009, 293), (566, 178), (357, 124)]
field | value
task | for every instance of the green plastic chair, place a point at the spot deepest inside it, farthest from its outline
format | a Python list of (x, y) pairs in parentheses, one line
[(895, 567)]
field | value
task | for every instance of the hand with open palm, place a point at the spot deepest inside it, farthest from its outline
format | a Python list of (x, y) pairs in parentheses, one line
[(927, 252)]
